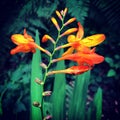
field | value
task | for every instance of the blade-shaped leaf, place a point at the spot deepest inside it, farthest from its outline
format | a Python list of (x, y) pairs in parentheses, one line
[(98, 103), (78, 102), (36, 90), (95, 109), (58, 96)]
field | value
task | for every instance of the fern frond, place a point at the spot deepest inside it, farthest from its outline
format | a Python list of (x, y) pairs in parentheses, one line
[(80, 9)]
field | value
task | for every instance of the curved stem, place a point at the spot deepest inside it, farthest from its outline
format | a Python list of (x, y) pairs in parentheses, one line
[(51, 57), (50, 61)]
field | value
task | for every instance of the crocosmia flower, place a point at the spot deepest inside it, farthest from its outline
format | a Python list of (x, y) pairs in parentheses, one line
[(81, 58), (76, 70), (25, 43), (81, 44)]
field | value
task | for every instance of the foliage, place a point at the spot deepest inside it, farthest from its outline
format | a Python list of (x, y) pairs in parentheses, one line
[(36, 90), (58, 95), (78, 101), (99, 16), (80, 9), (18, 82)]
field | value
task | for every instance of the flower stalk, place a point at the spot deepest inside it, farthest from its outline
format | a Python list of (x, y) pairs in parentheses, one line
[(79, 52)]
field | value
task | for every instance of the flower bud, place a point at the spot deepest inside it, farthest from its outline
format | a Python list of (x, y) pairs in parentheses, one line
[(36, 104), (43, 65), (45, 38), (69, 21), (55, 23), (59, 15), (47, 117), (69, 31), (46, 93), (38, 81)]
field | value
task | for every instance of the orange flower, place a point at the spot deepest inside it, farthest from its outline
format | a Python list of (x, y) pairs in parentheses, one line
[(79, 44), (81, 58), (25, 48), (76, 70), (25, 43)]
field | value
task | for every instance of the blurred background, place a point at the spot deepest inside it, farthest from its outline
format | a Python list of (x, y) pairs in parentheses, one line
[(97, 16)]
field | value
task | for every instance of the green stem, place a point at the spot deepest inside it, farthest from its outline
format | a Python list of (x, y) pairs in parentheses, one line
[(51, 57), (50, 61)]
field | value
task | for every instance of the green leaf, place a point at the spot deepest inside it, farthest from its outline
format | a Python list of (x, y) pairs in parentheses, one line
[(78, 102), (36, 90), (95, 109), (98, 103), (111, 73), (58, 96)]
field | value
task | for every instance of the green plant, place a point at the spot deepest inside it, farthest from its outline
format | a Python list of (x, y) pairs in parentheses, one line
[(84, 59)]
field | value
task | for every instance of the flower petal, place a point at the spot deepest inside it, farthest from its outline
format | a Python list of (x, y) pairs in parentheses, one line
[(81, 58), (80, 32), (18, 39), (72, 70), (69, 51), (71, 38), (25, 48), (29, 37), (93, 40)]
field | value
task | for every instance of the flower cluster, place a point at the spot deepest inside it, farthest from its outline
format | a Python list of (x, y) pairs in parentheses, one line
[(79, 50), (25, 43)]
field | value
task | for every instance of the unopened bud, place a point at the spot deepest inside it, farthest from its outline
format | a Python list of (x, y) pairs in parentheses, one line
[(59, 15), (38, 81), (36, 104), (69, 31), (43, 65), (69, 21), (55, 23), (65, 11), (47, 117), (46, 93), (57, 48)]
